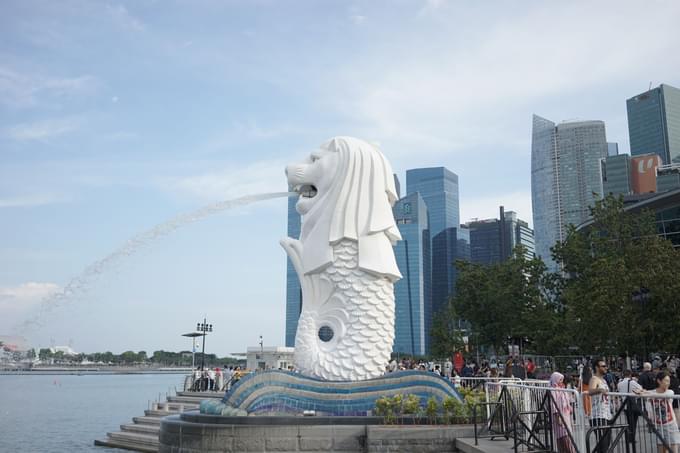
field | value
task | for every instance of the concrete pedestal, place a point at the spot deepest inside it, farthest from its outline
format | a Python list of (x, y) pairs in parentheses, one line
[(193, 433)]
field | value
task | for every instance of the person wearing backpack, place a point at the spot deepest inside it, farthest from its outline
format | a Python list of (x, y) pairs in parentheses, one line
[(633, 405), (647, 378)]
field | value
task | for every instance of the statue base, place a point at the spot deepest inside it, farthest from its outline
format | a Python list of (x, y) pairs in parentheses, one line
[(287, 393)]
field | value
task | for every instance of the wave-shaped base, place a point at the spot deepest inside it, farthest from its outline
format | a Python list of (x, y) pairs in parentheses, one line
[(284, 392)]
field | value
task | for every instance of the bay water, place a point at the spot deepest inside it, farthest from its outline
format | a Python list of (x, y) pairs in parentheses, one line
[(66, 413)]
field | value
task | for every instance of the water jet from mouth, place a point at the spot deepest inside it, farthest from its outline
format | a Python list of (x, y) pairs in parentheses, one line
[(79, 284)]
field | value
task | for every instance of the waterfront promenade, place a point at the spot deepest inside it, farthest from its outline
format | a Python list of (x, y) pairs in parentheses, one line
[(67, 370)]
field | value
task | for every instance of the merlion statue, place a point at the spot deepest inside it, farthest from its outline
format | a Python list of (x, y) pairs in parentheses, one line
[(345, 261)]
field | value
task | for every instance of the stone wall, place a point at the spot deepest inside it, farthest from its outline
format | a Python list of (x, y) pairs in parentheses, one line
[(186, 437)]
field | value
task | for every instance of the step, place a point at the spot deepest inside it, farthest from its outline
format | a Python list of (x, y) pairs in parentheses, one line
[(150, 440), (146, 420), (191, 399), (130, 441), (125, 445), (143, 429), (178, 406), (201, 395), (160, 413)]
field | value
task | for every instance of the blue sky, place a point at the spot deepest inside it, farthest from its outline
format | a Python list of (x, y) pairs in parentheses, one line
[(117, 116)]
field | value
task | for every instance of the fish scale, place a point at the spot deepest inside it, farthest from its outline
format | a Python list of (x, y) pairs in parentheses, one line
[(361, 347)]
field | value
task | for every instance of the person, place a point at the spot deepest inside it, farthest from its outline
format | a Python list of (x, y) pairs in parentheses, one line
[(600, 412), (647, 379), (448, 366), (437, 370), (196, 386), (661, 412), (633, 409), (211, 379), (675, 386), (228, 371), (531, 369), (561, 414), (219, 379)]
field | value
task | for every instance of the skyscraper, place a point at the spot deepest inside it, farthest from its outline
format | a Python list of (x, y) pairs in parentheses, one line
[(654, 123), (494, 240), (293, 288), (413, 302), (439, 188), (565, 177), (616, 175)]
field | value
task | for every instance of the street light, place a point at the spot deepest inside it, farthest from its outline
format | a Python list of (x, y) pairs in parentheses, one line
[(205, 328), (193, 336)]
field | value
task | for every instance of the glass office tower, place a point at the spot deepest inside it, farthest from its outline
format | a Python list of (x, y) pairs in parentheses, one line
[(412, 293), (438, 187), (493, 240), (616, 174), (293, 288), (654, 123), (566, 177)]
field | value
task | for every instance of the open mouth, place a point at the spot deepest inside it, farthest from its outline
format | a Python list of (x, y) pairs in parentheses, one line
[(306, 190)]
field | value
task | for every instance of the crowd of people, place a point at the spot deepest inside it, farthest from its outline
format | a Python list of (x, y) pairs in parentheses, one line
[(626, 379), (215, 379), (649, 392)]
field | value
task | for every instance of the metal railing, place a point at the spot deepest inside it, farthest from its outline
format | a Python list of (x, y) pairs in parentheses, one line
[(541, 418)]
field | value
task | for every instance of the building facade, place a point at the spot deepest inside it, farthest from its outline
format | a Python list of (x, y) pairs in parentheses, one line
[(616, 175), (654, 123), (293, 288), (260, 358), (413, 299), (438, 187), (494, 240), (565, 177)]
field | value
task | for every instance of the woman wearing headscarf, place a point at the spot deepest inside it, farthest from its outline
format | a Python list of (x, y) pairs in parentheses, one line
[(561, 414)]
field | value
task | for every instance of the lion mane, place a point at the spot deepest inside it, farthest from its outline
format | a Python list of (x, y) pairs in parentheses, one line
[(358, 206)]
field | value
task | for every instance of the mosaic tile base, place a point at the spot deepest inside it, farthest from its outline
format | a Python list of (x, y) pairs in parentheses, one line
[(274, 392)]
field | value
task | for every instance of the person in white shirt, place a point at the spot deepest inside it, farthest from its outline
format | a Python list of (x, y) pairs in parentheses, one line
[(660, 411), (600, 407), (629, 384)]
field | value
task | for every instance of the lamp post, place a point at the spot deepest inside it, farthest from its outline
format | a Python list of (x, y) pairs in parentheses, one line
[(204, 328), (193, 336)]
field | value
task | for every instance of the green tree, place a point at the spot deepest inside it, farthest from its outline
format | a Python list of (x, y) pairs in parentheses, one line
[(621, 285), (128, 357), (45, 354), (512, 299), (446, 336)]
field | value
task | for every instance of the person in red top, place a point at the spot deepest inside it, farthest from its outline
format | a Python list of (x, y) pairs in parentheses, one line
[(531, 369)]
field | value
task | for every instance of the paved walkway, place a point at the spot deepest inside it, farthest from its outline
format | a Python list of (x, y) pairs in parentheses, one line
[(500, 445)]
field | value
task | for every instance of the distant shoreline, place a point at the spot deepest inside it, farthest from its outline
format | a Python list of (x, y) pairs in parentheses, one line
[(60, 371)]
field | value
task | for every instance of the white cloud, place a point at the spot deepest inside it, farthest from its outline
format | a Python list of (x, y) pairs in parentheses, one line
[(32, 200), (357, 19), (235, 181), (122, 17), (29, 293), (16, 302), (42, 130), (29, 90), (450, 84)]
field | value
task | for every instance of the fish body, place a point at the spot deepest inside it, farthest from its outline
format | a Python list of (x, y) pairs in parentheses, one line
[(346, 327)]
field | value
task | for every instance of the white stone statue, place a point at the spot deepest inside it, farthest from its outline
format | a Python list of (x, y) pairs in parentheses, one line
[(345, 261)]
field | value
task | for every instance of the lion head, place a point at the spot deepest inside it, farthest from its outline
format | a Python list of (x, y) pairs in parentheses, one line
[(347, 191)]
